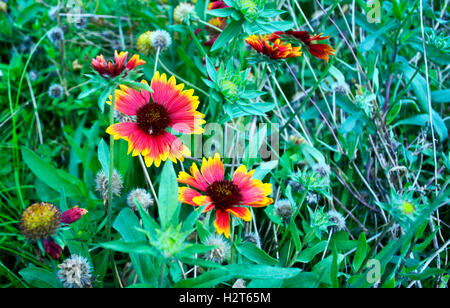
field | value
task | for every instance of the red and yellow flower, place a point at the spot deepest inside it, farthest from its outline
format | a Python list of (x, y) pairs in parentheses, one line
[(225, 196), (217, 5), (114, 69), (168, 106), (320, 51), (273, 48)]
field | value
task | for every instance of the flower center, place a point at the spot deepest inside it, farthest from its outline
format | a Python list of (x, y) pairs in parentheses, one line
[(224, 194), (153, 118)]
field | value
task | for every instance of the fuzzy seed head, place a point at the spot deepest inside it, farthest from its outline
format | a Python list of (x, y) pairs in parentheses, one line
[(252, 237), (283, 208), (160, 39), (338, 219), (102, 184), (40, 220), (55, 35), (144, 43), (75, 272), (312, 198), (183, 12), (56, 91), (34, 75), (221, 250), (322, 169), (139, 195)]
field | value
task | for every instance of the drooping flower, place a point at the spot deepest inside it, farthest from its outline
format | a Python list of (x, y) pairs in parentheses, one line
[(225, 196), (116, 68), (167, 106), (217, 5), (75, 272), (140, 195), (274, 49), (320, 51)]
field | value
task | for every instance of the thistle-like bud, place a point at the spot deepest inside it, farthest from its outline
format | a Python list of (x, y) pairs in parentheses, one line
[(338, 219), (40, 221), (252, 237), (221, 250), (229, 89), (102, 184), (55, 35), (52, 249), (283, 208), (56, 91), (72, 215), (183, 12), (75, 272), (142, 197), (160, 39)]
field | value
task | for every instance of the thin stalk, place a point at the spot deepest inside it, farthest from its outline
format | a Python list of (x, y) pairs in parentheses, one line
[(111, 164)]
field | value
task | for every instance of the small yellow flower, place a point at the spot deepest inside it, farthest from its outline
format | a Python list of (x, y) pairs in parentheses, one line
[(407, 208), (144, 43), (3, 6)]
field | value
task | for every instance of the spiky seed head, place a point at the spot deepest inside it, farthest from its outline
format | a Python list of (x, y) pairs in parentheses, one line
[(338, 219), (283, 208), (160, 39), (183, 12), (75, 272), (144, 43), (239, 284), (221, 250), (40, 220), (312, 198), (34, 75), (102, 184), (252, 237), (80, 22), (139, 195), (56, 91), (55, 35)]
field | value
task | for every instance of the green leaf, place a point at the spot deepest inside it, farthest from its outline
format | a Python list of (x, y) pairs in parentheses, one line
[(361, 252), (103, 156), (167, 194), (232, 30), (308, 254), (139, 247), (39, 277), (255, 254)]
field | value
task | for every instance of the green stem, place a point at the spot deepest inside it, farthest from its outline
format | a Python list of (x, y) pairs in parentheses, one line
[(111, 163), (196, 41), (161, 274)]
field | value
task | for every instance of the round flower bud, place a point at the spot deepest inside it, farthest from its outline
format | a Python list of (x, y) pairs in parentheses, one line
[(56, 91), (75, 272), (40, 220), (144, 44), (338, 219), (142, 197), (221, 250), (102, 184), (284, 209), (183, 12)]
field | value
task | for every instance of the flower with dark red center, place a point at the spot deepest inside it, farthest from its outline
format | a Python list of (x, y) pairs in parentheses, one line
[(72, 215), (274, 49), (116, 68), (320, 51), (167, 106), (225, 196)]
